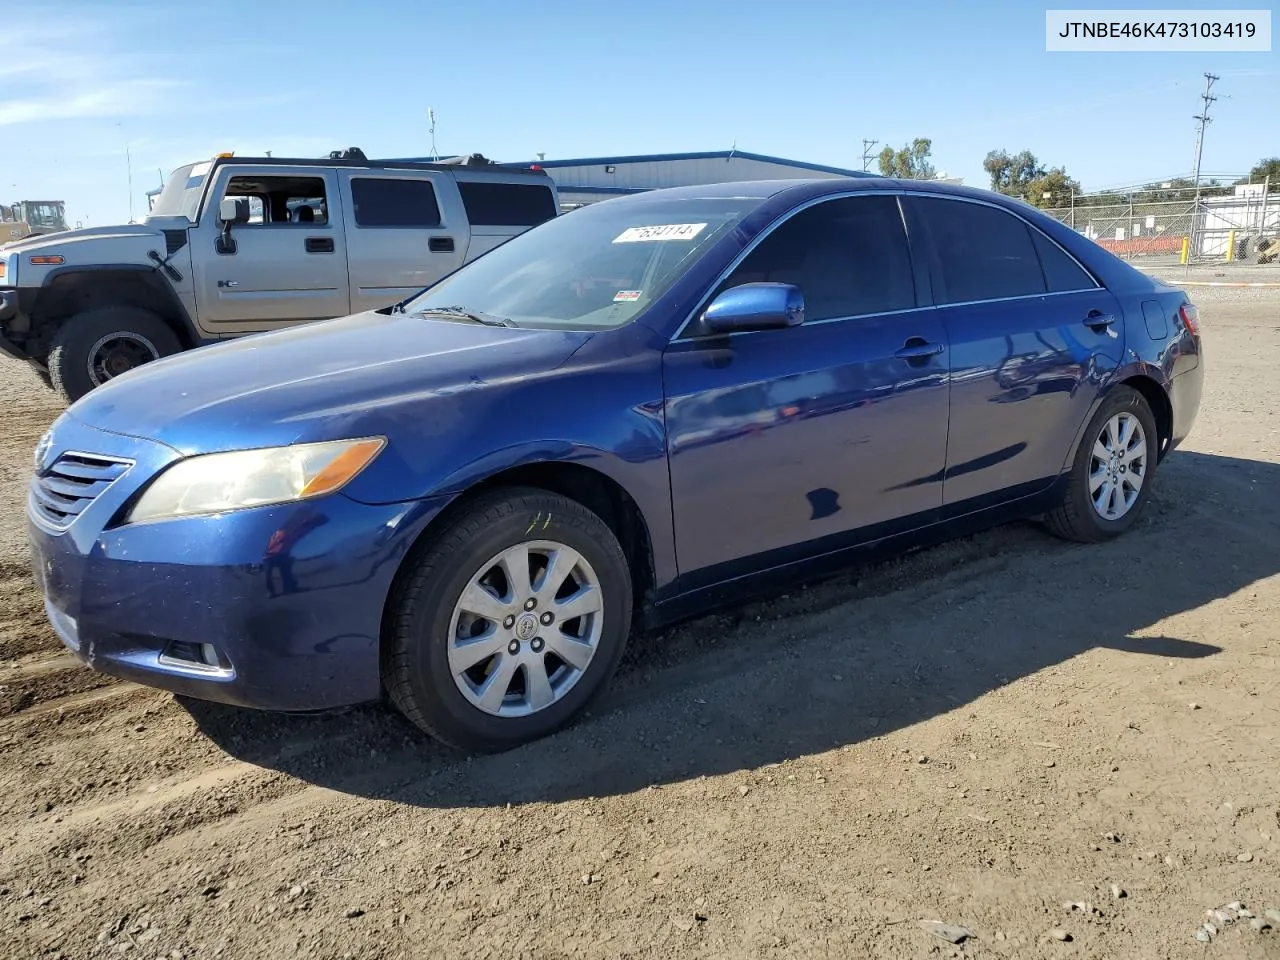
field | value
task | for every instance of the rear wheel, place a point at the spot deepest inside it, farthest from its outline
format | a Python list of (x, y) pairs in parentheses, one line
[(93, 347), (1111, 476), (510, 622)]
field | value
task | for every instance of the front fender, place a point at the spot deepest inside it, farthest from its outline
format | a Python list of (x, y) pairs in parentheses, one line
[(74, 287), (642, 477)]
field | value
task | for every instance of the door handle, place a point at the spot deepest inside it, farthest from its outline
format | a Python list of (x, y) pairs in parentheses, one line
[(319, 244), (1097, 321), (918, 348), (440, 244)]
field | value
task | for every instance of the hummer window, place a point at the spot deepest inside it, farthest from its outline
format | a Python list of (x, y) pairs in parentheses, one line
[(275, 201), (385, 202)]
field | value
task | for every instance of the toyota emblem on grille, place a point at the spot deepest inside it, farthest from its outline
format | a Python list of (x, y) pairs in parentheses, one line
[(42, 451)]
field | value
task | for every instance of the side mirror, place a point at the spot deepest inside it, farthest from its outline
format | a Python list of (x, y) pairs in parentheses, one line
[(755, 306), (231, 210), (234, 210)]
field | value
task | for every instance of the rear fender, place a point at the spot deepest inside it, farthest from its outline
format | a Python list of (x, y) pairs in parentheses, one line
[(1139, 368)]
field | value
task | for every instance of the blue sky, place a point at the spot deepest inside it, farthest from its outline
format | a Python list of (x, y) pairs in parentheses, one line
[(805, 79)]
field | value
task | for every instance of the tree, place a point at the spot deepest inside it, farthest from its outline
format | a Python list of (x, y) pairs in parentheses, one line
[(1269, 167), (1023, 175), (909, 163)]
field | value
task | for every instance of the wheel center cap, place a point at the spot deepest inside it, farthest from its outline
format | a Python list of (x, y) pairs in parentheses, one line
[(526, 626)]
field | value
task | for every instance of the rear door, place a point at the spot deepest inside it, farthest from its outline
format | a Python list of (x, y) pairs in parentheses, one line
[(288, 264), (1033, 338), (405, 230), (498, 210)]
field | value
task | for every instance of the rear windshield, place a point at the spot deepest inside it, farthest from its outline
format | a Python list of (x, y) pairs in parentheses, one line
[(589, 269)]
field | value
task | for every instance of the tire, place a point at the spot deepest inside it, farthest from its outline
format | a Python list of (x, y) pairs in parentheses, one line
[(84, 355), (1077, 517), (429, 623)]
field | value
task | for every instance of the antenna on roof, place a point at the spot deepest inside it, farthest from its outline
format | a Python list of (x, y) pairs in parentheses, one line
[(431, 116), (732, 150)]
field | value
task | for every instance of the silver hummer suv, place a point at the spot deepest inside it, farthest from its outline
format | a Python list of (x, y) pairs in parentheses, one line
[(239, 245)]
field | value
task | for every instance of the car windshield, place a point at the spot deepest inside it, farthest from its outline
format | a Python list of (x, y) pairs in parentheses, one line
[(590, 269), (181, 195)]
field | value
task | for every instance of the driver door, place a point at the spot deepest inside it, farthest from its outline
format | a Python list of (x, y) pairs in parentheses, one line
[(791, 442), (289, 264)]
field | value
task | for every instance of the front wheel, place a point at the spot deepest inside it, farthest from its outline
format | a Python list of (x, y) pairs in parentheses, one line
[(93, 347), (510, 622), (1111, 476)]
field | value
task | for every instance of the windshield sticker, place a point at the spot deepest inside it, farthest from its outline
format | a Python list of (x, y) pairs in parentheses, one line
[(626, 296), (667, 231)]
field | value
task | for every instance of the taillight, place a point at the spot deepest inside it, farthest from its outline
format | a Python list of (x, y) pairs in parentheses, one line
[(1190, 317)]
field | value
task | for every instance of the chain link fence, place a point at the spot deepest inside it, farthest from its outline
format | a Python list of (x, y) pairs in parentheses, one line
[(1238, 224)]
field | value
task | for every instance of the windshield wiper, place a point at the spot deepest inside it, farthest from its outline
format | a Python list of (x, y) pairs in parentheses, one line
[(488, 319)]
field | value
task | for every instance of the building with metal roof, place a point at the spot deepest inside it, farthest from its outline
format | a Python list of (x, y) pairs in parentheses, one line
[(587, 180)]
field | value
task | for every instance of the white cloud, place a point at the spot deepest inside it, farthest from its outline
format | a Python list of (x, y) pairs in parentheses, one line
[(68, 70), (119, 99)]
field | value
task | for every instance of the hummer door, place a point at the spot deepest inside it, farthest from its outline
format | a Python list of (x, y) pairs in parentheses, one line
[(288, 264)]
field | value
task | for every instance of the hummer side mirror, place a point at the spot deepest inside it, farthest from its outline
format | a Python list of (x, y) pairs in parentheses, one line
[(231, 210)]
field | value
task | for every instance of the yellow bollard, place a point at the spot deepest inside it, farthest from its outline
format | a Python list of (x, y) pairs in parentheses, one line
[(1186, 243), (1231, 246)]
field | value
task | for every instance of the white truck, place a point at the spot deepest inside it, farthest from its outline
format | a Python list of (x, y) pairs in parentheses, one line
[(239, 245)]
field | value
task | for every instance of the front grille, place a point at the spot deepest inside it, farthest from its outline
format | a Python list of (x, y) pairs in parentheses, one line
[(64, 489)]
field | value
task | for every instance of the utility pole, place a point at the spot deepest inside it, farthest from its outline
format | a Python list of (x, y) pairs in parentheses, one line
[(1203, 118), (128, 155), (866, 153)]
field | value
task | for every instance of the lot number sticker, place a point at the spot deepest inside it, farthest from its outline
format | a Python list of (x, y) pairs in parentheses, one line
[(666, 231), (626, 296)]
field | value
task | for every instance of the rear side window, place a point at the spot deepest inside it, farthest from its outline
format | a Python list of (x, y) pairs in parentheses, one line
[(384, 202), (506, 204), (1061, 272), (849, 258), (983, 253)]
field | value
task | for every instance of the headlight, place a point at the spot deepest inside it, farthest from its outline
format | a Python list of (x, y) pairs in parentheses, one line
[(218, 482)]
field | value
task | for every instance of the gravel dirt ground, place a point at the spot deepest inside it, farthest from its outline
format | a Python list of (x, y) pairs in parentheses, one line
[(981, 734)]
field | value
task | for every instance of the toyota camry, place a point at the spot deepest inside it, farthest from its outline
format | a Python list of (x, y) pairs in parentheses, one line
[(466, 503)]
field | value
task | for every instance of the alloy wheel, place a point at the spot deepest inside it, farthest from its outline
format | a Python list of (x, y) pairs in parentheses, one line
[(1118, 466), (525, 628)]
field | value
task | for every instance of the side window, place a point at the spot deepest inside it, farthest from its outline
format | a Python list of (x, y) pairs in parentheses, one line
[(984, 253), (281, 200), (506, 204), (849, 258), (1061, 272), (385, 202)]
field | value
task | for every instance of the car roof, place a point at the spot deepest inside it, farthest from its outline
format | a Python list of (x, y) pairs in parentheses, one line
[(492, 171), (809, 187)]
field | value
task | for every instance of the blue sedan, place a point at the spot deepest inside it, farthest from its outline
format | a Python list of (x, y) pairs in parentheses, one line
[(466, 503)]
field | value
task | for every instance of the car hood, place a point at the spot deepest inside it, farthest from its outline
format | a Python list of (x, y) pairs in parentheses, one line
[(354, 376), (65, 238)]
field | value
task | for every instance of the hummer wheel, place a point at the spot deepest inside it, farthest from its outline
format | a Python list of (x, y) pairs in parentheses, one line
[(93, 347)]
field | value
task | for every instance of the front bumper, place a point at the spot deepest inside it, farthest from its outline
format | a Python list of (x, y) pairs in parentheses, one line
[(278, 608)]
